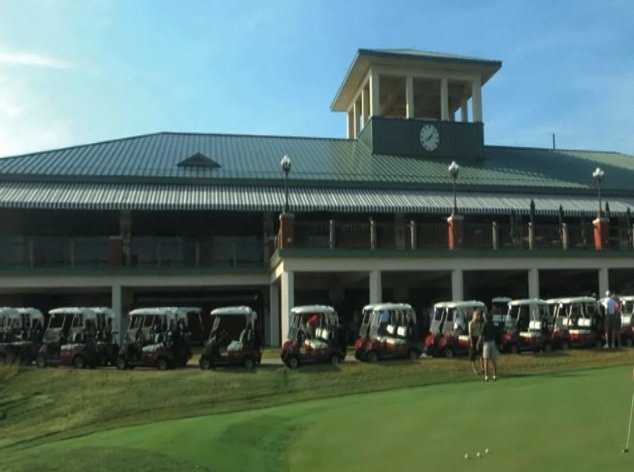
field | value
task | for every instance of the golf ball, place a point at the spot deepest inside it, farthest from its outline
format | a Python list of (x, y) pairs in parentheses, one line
[(486, 451), (466, 456), (478, 454)]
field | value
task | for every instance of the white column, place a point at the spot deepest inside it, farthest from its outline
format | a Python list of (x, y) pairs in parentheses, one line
[(409, 97), (457, 287), (375, 104), (476, 98), (444, 99), (349, 125), (604, 281), (355, 121), (533, 283), (464, 111), (364, 109), (274, 315), (287, 285), (376, 287), (120, 326)]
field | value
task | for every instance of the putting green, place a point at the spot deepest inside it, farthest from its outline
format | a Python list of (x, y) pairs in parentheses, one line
[(567, 421)]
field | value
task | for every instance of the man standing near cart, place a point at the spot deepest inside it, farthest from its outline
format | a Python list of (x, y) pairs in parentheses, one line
[(489, 349), (611, 308)]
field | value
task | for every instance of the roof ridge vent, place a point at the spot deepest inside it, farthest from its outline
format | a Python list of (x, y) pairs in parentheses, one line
[(199, 160)]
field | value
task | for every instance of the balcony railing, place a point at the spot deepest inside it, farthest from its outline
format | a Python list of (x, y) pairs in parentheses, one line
[(94, 252)]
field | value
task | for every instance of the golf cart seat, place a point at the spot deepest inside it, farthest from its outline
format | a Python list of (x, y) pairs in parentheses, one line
[(151, 348), (584, 322), (234, 346), (580, 331), (395, 341), (316, 344), (535, 325), (463, 338), (528, 334), (390, 329), (322, 333), (626, 320), (401, 331)]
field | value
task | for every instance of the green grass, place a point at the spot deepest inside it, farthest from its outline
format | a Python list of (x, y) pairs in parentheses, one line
[(547, 414)]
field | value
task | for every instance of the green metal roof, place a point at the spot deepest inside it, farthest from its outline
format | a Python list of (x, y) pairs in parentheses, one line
[(242, 159), (269, 199)]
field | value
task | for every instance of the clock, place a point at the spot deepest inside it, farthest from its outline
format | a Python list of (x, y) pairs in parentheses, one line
[(429, 137)]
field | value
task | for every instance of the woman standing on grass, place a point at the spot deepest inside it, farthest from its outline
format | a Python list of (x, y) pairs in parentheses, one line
[(489, 349), (475, 341)]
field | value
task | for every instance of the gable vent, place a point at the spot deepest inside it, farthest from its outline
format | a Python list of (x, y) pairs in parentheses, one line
[(199, 160)]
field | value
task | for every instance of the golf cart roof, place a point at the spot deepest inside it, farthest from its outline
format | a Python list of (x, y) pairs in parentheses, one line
[(627, 298), (12, 312), (88, 312), (460, 304), (392, 306), (234, 311), (577, 300), (528, 301), (163, 311), (302, 310), (552, 301), (501, 300)]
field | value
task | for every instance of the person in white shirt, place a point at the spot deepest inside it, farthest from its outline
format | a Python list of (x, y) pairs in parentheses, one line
[(611, 308)]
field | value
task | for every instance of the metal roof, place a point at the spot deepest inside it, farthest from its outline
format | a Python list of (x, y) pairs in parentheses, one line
[(233, 310), (155, 158), (304, 199), (301, 310)]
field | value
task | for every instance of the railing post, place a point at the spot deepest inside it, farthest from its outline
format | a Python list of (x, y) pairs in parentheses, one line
[(564, 236), (286, 235), (531, 236), (331, 234), (412, 235), (455, 228), (495, 236), (71, 251), (372, 234), (601, 230)]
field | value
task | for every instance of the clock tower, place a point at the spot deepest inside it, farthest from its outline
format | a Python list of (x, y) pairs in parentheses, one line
[(415, 103)]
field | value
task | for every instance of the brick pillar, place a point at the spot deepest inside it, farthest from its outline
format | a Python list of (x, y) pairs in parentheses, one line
[(601, 230), (287, 231), (455, 226)]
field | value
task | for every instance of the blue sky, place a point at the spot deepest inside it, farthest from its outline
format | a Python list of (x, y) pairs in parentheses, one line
[(74, 71)]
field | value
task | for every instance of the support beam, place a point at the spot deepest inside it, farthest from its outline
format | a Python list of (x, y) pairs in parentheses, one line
[(375, 94), (409, 97), (273, 329), (604, 281), (120, 325), (533, 283), (457, 285), (444, 99), (350, 124), (364, 110), (355, 121), (476, 98), (376, 287), (287, 286)]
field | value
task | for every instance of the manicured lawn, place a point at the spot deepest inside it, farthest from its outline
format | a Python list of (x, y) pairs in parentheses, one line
[(423, 415), (573, 421)]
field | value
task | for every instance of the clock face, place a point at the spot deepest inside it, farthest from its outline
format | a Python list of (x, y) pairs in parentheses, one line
[(429, 137)]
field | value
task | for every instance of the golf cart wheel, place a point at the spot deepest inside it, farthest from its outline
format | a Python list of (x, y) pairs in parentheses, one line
[(41, 361), (373, 357), (249, 363), (204, 363), (122, 364), (449, 353), (79, 362), (413, 355), (163, 364), (334, 360), (293, 362)]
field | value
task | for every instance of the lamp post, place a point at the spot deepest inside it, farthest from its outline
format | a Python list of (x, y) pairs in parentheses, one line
[(454, 169), (597, 177), (286, 164)]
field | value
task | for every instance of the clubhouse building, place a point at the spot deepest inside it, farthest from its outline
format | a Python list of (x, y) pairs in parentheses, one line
[(208, 220)]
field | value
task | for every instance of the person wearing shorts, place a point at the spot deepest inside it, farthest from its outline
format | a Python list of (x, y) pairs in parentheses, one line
[(475, 341), (489, 349)]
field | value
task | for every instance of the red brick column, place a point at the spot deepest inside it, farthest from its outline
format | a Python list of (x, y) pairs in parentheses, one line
[(455, 227), (286, 236), (601, 230)]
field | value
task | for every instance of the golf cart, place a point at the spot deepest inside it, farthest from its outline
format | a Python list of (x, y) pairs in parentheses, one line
[(449, 332), (388, 330), (86, 339), (156, 337), (527, 326), (314, 336), (582, 318), (627, 327), (499, 310), (233, 339), (21, 334)]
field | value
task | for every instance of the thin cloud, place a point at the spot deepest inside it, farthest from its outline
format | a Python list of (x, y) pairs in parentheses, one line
[(30, 59)]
